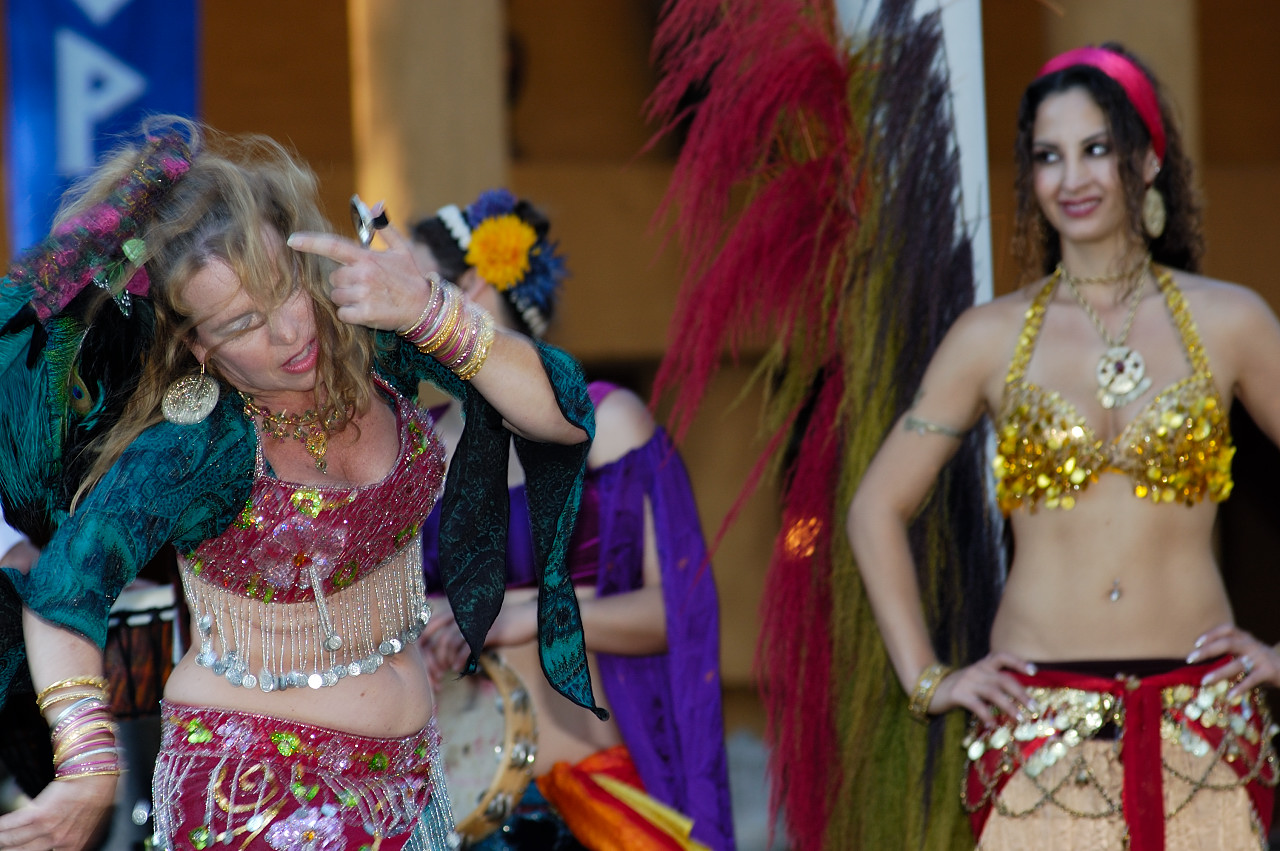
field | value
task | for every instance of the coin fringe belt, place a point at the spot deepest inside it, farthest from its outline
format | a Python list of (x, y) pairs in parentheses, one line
[(1172, 707)]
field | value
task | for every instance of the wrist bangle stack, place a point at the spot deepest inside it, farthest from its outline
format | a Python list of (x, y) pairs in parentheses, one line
[(454, 331), (84, 733), (416, 329), (926, 685)]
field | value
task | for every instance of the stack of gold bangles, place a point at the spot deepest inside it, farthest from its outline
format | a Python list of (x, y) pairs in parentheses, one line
[(84, 733), (926, 685), (451, 329)]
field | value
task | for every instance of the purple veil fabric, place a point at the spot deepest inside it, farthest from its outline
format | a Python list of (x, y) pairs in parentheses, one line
[(667, 706)]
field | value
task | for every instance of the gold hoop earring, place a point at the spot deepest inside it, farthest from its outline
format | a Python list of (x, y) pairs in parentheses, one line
[(1153, 212), (190, 399)]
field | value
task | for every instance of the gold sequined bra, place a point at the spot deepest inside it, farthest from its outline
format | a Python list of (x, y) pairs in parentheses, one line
[(1178, 447)]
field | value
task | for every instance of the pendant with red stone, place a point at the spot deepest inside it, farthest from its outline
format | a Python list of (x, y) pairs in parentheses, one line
[(1121, 377)]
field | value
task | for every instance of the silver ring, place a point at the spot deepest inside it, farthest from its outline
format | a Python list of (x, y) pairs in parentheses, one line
[(366, 224), (1247, 664)]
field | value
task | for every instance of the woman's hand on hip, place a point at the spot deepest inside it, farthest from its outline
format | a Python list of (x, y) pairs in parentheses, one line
[(986, 686), (1256, 662)]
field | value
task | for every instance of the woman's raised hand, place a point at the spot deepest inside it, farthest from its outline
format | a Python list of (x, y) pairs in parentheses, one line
[(378, 289)]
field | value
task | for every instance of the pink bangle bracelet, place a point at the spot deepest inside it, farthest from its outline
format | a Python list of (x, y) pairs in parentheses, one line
[(88, 771)]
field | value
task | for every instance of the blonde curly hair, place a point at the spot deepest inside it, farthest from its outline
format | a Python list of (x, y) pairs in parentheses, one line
[(239, 191)]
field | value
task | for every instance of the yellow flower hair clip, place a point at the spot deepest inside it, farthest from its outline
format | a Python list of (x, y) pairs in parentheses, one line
[(499, 250)]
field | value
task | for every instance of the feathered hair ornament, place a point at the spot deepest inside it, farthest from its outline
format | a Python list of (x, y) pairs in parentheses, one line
[(68, 363), (816, 199)]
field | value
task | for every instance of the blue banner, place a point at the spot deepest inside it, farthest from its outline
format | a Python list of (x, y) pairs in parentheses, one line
[(81, 74)]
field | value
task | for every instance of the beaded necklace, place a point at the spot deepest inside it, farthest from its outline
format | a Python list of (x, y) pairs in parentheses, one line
[(307, 428)]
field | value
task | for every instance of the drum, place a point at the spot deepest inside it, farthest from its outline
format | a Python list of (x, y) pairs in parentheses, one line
[(489, 741), (143, 645)]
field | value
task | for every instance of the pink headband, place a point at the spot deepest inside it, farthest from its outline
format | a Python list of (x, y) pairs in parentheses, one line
[(1137, 86)]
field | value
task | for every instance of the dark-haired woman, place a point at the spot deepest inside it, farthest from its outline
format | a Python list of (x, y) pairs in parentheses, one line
[(646, 592), (1119, 706)]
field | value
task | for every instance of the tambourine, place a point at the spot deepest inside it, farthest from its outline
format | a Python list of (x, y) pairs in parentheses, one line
[(489, 738)]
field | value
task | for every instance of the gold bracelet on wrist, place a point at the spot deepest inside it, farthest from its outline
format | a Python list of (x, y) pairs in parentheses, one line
[(95, 681), (64, 696), (453, 308), (422, 318), (479, 351), (926, 685)]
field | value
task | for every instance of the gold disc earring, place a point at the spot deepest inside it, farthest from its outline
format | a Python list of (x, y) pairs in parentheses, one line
[(190, 399), (1153, 212)]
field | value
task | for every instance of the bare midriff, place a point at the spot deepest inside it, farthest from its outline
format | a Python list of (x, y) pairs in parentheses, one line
[(394, 701), (1114, 578)]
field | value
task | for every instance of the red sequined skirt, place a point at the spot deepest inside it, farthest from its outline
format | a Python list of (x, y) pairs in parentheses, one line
[(239, 780)]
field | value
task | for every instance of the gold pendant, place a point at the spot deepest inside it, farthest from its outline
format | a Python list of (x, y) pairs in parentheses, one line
[(1121, 375), (317, 442)]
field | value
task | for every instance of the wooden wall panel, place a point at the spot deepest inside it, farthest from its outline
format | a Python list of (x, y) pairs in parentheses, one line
[(428, 101), (581, 74), (1239, 63), (623, 287), (282, 69)]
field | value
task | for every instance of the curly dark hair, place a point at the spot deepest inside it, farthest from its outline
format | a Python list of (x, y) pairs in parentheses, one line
[(1036, 241)]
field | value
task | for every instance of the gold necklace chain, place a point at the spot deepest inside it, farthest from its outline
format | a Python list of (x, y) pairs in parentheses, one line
[(1138, 265), (1134, 300), (307, 428)]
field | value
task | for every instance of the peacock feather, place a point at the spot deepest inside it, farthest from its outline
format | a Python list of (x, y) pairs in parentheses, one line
[(71, 353), (63, 385)]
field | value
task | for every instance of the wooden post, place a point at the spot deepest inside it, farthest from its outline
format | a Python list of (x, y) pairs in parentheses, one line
[(428, 101)]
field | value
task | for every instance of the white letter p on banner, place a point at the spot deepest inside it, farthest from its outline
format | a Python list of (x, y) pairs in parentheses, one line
[(92, 84)]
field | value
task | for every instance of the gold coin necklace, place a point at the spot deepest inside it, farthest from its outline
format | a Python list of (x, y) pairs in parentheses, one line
[(1121, 371)]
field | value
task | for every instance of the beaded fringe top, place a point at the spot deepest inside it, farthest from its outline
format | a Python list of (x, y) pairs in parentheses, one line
[(315, 583)]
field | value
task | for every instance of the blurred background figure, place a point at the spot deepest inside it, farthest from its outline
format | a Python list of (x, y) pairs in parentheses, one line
[(645, 588)]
